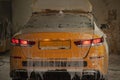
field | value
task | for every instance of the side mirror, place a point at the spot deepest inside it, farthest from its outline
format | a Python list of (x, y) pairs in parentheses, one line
[(104, 26)]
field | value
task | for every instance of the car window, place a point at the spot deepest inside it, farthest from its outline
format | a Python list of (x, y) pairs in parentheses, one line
[(59, 21)]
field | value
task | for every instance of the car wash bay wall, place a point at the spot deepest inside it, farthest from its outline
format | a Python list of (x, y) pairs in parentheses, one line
[(5, 9), (105, 11), (21, 12)]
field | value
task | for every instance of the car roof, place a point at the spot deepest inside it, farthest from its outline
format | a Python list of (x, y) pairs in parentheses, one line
[(81, 5)]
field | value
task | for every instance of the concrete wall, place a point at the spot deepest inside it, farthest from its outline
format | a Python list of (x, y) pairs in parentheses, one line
[(22, 11), (5, 0), (5, 9)]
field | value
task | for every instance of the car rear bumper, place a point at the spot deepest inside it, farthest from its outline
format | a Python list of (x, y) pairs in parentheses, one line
[(61, 74)]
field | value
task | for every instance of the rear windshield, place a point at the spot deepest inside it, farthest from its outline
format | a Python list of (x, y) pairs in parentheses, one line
[(59, 21)]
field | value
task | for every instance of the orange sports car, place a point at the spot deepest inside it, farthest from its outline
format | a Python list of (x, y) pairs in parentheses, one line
[(59, 45)]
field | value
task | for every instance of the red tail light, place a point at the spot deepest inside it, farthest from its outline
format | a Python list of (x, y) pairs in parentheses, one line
[(23, 42), (89, 42), (20, 42), (98, 40), (86, 42), (15, 41)]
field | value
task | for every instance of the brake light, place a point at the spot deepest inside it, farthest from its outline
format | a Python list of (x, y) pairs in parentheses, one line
[(98, 40), (15, 41), (20, 42), (86, 42), (89, 42), (23, 42)]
